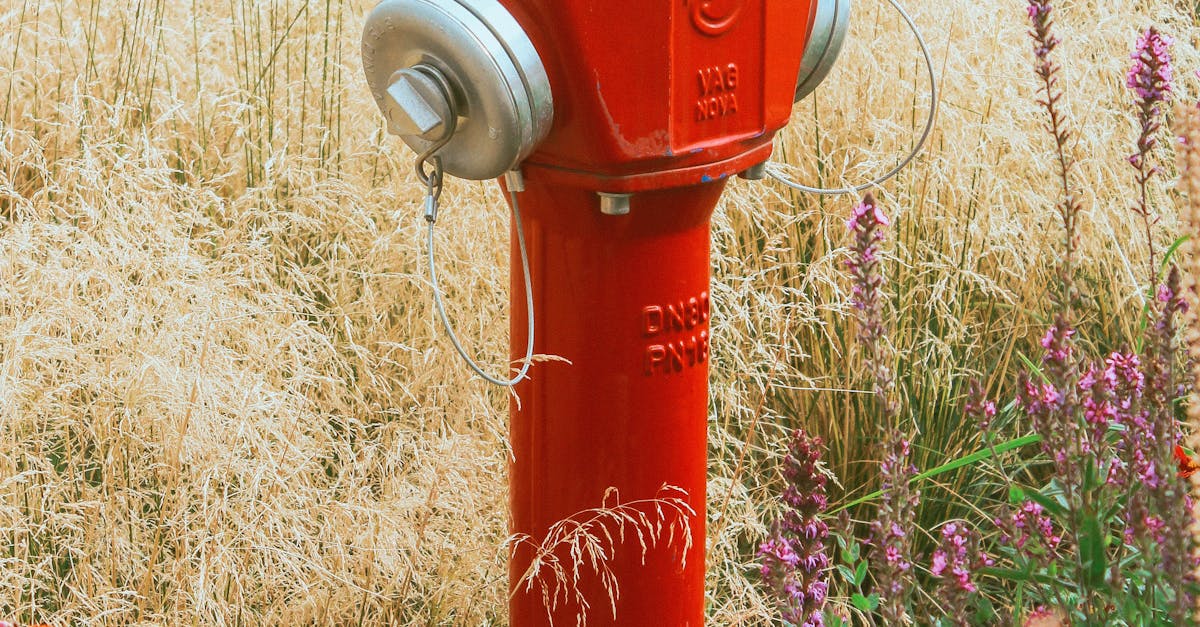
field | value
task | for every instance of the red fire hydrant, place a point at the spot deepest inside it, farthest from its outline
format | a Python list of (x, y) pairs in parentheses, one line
[(625, 118)]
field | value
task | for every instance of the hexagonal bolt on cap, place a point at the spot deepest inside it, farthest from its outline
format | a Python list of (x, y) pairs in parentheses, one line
[(418, 106)]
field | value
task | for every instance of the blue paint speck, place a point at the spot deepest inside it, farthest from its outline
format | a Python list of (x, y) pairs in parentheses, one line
[(706, 179)]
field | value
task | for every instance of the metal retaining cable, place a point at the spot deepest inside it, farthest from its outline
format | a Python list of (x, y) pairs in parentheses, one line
[(433, 184), (774, 172)]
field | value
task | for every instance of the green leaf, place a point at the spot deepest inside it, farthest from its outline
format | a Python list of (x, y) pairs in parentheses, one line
[(985, 612), (1144, 320), (1051, 505), (1055, 490), (850, 553), (1007, 574), (1016, 495), (967, 460), (1091, 550), (861, 602), (860, 574), (833, 620), (1012, 574), (1166, 261), (846, 573), (1032, 367), (1090, 475)]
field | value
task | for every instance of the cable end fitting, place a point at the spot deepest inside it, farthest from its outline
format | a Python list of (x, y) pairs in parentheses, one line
[(431, 209), (514, 181)]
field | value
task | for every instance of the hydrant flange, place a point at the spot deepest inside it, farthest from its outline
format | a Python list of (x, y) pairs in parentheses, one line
[(829, 28), (499, 89)]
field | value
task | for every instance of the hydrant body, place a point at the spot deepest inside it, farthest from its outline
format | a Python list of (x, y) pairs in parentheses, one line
[(661, 101), (626, 300), (626, 119)]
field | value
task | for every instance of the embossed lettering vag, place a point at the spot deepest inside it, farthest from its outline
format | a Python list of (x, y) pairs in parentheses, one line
[(718, 92)]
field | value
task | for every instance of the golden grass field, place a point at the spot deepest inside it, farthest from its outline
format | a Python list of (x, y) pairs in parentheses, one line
[(224, 395)]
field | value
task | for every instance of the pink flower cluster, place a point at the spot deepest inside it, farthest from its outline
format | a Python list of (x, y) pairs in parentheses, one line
[(869, 210), (1057, 342), (888, 531), (979, 409), (953, 563), (1151, 77), (1032, 530), (892, 553), (952, 560), (1051, 401), (866, 222), (1109, 397)]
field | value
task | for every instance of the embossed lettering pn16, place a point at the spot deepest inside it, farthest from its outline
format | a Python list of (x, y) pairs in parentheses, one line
[(685, 325)]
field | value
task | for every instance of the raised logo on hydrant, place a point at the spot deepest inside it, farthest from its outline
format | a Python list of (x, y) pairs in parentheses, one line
[(718, 70), (686, 320), (718, 92), (711, 21)]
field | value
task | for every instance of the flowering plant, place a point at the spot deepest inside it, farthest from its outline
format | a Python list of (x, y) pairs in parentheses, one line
[(1107, 534), (1099, 529)]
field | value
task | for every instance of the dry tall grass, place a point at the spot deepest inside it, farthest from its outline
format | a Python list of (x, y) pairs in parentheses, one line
[(224, 397)]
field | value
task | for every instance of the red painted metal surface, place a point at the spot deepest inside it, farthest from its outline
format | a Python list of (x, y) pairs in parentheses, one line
[(625, 299), (651, 94), (665, 99)]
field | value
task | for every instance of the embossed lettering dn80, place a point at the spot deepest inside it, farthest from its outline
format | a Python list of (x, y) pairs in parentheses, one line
[(680, 330)]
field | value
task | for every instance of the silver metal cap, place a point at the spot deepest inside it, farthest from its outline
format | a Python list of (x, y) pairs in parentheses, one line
[(828, 33), (498, 86)]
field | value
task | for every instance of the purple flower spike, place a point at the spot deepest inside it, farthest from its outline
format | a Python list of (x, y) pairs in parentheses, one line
[(1151, 80), (793, 556), (898, 505), (865, 223), (1031, 531), (978, 407), (1040, 13), (1151, 77)]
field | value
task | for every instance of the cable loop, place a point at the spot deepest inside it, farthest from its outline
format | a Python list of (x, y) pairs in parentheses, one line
[(434, 178), (433, 184), (433, 181), (433, 189), (772, 169)]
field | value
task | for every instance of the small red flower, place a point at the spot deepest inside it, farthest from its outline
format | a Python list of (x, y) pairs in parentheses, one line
[(1187, 465)]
